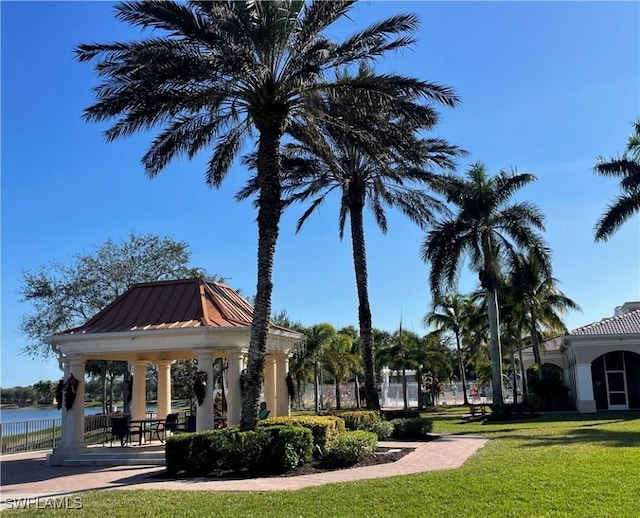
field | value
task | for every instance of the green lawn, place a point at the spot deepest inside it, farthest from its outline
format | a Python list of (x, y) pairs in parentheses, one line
[(567, 465)]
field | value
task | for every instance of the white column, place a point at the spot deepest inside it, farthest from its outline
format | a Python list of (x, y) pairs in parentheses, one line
[(282, 392), (234, 394), (385, 387), (204, 412), (270, 383), (72, 432), (75, 415), (585, 402), (164, 388), (139, 398)]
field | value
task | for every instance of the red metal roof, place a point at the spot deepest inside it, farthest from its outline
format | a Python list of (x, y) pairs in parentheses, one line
[(176, 304)]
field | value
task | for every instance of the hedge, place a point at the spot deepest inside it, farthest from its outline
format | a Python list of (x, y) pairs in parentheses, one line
[(325, 429), (352, 447)]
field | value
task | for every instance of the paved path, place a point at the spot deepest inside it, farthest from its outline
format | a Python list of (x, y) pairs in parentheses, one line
[(27, 475)]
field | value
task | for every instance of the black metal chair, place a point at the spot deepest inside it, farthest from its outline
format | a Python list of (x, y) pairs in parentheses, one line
[(121, 429)]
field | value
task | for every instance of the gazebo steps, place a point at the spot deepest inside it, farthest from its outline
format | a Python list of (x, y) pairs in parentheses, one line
[(150, 458)]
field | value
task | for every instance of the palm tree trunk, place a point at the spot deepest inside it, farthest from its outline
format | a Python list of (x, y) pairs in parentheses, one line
[(316, 387), (356, 386), (337, 394), (496, 350), (463, 376), (269, 211), (523, 374), (536, 343), (364, 310), (405, 397)]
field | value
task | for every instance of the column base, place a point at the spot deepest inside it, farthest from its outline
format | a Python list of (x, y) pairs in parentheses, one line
[(60, 454), (585, 406)]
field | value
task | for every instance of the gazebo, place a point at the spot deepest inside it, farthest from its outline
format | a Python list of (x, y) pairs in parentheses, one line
[(160, 322)]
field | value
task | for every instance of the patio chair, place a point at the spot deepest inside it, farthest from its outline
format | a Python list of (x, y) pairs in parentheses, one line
[(121, 429), (170, 425)]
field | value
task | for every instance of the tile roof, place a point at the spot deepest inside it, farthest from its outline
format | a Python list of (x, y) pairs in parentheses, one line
[(627, 323), (175, 304)]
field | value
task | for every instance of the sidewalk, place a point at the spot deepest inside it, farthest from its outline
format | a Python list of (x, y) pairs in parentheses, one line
[(27, 475)]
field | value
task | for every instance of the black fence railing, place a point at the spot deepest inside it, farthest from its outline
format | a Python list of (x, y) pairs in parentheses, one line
[(44, 434)]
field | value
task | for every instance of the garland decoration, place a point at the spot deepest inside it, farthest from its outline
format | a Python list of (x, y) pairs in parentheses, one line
[(69, 387), (200, 386)]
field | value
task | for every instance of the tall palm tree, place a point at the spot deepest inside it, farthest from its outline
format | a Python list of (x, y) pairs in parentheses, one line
[(487, 228), (213, 74), (391, 167), (452, 319), (533, 286), (627, 168)]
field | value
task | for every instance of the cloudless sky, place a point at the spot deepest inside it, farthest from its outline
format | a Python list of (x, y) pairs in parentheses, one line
[(545, 86)]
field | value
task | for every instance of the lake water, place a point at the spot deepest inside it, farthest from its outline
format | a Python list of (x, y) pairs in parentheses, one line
[(36, 414)]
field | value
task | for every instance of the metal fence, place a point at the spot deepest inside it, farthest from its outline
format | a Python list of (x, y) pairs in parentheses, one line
[(44, 434)]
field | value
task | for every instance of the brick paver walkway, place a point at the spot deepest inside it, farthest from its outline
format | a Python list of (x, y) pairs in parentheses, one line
[(27, 475)]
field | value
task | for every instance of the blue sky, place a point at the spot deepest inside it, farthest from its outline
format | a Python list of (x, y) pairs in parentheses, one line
[(546, 87)]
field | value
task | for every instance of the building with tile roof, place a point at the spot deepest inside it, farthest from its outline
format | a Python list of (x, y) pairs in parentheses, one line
[(600, 361), (164, 321)]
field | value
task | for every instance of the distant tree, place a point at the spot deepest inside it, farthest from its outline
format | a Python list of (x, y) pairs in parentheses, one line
[(627, 168), (44, 391), (106, 371), (339, 360), (63, 296), (487, 228), (400, 353)]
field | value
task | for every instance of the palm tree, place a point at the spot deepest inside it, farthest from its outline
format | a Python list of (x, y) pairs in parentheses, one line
[(627, 168), (487, 228), (340, 361), (532, 285), (451, 318), (400, 354), (212, 75), (318, 337), (389, 168)]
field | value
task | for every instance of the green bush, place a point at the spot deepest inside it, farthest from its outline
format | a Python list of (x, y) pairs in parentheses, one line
[(358, 419), (416, 428), (176, 451), (325, 429), (267, 450), (390, 415), (383, 429), (289, 447), (351, 447)]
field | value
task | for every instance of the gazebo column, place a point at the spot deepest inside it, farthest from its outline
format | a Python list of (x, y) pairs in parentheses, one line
[(270, 383), (282, 392), (164, 388), (139, 398), (234, 396), (204, 412), (72, 432)]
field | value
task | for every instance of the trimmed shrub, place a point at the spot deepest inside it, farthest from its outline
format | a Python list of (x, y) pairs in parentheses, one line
[(244, 449), (358, 419), (176, 451), (289, 447), (351, 447), (390, 415), (325, 429), (383, 429), (413, 429)]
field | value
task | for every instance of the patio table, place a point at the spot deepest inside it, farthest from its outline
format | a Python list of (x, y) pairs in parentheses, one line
[(148, 426)]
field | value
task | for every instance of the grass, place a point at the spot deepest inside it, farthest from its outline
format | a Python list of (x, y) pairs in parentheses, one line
[(557, 465)]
